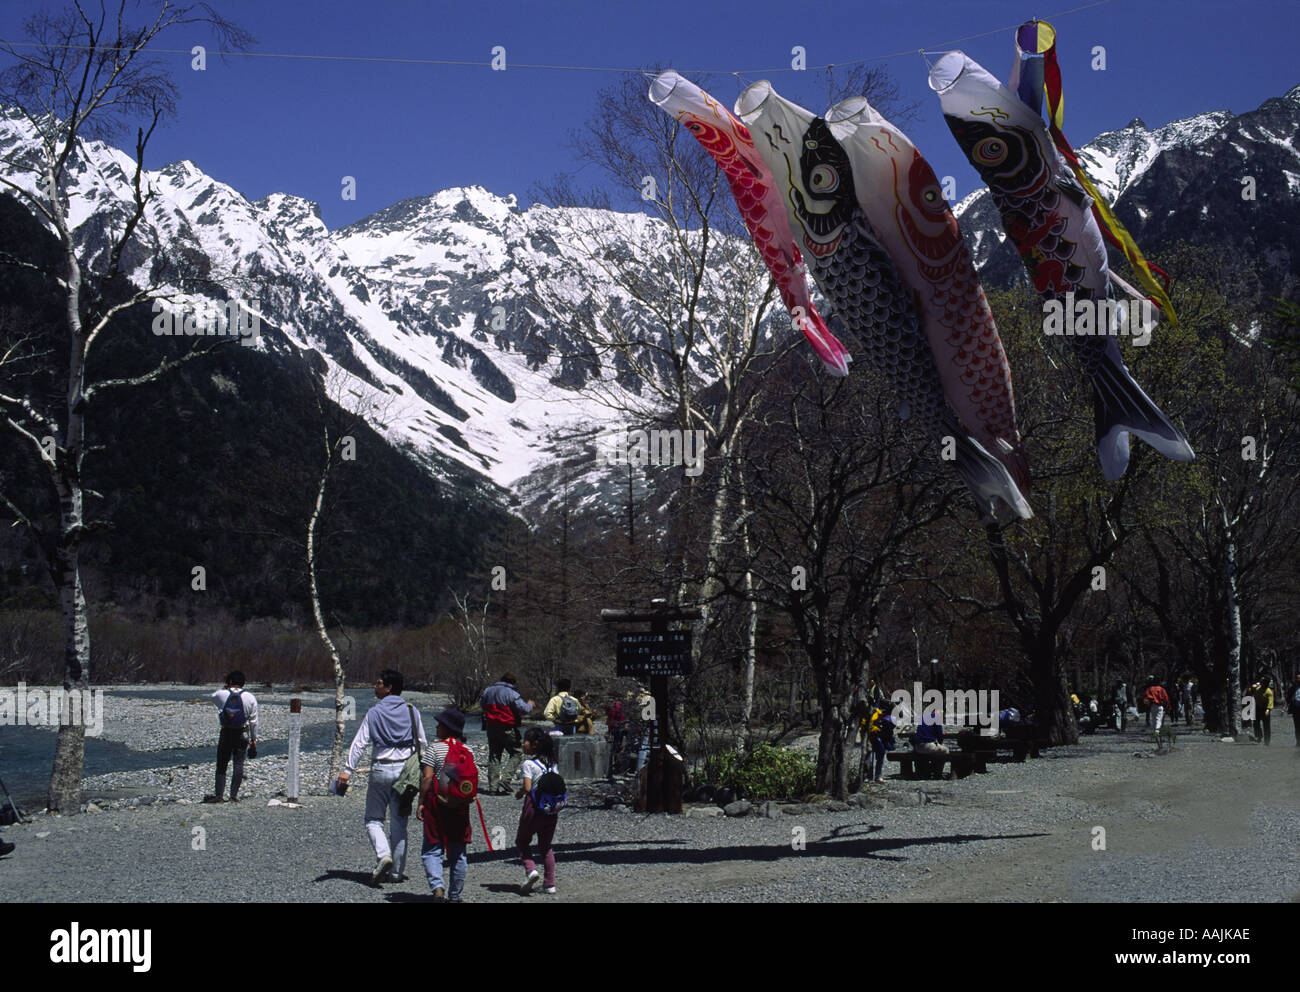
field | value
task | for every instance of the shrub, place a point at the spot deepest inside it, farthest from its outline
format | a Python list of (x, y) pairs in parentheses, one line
[(768, 772)]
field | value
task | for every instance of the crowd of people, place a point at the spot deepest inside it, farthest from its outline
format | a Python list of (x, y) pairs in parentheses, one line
[(448, 779), (443, 776)]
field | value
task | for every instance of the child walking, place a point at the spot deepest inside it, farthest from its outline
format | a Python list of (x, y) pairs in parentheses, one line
[(544, 796)]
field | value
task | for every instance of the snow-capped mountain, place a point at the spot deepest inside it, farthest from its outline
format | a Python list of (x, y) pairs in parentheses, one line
[(1184, 181), (436, 310), (431, 308)]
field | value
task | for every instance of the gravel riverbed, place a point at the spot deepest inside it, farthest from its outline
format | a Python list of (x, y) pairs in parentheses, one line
[(1106, 820)]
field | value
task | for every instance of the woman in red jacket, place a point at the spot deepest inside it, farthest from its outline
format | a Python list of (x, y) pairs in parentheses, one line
[(1157, 701)]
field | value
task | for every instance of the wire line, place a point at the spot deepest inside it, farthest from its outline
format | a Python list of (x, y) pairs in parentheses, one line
[(394, 60)]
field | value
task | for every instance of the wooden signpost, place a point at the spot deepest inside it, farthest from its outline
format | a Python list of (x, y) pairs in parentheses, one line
[(657, 654)]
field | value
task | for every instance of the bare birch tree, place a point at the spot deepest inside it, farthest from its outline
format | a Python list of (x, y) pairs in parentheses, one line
[(344, 406), (83, 74)]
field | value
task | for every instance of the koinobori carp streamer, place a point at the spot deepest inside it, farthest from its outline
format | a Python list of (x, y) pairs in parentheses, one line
[(728, 142), (904, 204), (861, 281), (1048, 216)]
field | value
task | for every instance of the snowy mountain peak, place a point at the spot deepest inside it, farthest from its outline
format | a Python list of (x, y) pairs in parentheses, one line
[(1115, 160), (183, 171), (296, 218)]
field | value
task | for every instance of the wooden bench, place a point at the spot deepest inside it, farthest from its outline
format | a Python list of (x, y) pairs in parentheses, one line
[(929, 764), (1020, 747)]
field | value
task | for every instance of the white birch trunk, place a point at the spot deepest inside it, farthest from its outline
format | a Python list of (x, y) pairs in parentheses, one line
[(336, 752)]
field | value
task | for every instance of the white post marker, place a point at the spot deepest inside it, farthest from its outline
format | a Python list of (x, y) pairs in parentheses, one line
[(295, 737)]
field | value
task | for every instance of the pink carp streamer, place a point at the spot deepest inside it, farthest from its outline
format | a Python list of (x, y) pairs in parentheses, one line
[(902, 199), (728, 142)]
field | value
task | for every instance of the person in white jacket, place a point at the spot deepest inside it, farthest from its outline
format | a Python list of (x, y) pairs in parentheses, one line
[(394, 729)]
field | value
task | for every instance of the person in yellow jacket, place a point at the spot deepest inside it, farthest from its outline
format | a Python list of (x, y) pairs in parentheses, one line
[(880, 735), (562, 710), (1263, 695)]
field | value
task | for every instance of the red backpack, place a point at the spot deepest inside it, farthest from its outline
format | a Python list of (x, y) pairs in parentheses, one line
[(458, 780)]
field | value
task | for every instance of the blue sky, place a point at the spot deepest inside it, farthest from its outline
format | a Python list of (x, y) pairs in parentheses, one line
[(267, 125)]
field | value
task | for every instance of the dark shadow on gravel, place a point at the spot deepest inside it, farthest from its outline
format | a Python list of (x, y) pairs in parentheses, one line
[(339, 875), (849, 829), (662, 854), (409, 897), (501, 887), (512, 854)]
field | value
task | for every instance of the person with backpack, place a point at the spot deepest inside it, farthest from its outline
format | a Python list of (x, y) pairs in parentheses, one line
[(394, 729), (503, 709), (544, 795), (563, 709), (237, 715), (448, 787)]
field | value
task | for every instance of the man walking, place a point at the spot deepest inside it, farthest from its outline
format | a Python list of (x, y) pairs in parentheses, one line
[(1157, 701), (237, 714), (503, 709), (446, 818), (393, 728)]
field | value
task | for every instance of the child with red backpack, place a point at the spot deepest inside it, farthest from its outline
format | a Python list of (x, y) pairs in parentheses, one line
[(448, 788), (544, 796)]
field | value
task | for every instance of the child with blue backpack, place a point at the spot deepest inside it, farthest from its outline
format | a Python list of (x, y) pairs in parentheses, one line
[(544, 796)]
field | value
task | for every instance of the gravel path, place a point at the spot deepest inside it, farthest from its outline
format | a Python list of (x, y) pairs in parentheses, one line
[(1208, 821)]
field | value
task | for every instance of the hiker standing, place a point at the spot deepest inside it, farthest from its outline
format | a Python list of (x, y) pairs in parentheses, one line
[(448, 785), (1189, 701), (544, 796), (1121, 705), (392, 727), (1263, 708), (503, 709), (880, 737), (563, 709), (237, 713)]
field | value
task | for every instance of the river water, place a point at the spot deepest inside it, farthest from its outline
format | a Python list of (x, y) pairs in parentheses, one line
[(27, 753)]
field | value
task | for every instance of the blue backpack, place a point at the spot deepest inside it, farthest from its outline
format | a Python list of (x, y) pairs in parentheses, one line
[(232, 714), (548, 793)]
